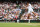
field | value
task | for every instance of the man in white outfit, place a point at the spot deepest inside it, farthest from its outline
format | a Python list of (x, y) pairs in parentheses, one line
[(30, 10)]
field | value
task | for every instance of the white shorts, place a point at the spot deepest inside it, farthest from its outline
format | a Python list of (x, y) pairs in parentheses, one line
[(30, 11)]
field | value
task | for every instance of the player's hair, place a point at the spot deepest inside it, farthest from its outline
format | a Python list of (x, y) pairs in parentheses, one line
[(28, 2)]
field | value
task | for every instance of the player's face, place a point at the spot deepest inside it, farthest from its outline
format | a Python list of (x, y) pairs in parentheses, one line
[(27, 3)]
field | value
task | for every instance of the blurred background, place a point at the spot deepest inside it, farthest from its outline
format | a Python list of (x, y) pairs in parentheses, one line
[(13, 10)]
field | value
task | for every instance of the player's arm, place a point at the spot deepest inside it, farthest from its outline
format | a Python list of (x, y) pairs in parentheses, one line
[(26, 7)]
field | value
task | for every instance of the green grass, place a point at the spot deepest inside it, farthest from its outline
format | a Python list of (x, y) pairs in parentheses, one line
[(19, 24)]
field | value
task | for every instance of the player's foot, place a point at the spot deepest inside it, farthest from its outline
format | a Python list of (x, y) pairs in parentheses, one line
[(37, 16)]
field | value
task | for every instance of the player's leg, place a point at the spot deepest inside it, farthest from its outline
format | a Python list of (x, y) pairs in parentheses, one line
[(29, 16), (35, 14)]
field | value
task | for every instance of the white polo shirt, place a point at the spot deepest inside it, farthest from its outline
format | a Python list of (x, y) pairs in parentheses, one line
[(30, 10)]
